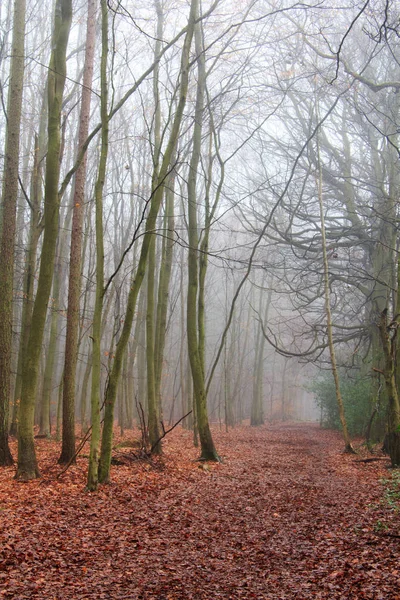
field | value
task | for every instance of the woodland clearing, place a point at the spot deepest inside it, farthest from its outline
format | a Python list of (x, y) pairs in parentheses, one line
[(285, 515)]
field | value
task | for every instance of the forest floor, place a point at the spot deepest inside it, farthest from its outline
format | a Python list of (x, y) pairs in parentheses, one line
[(286, 515)]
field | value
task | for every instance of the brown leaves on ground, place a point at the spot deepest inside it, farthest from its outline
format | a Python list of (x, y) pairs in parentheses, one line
[(286, 515)]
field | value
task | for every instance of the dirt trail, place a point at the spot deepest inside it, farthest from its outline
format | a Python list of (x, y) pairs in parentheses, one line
[(285, 516)]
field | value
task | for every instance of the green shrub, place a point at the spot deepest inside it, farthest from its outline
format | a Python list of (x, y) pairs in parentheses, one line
[(391, 496), (356, 392)]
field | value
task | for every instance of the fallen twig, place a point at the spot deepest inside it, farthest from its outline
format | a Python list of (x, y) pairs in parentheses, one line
[(166, 431)]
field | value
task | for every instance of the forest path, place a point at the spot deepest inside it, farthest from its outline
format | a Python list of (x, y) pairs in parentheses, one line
[(286, 515)]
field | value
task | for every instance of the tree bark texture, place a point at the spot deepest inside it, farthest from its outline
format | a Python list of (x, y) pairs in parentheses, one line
[(94, 457), (27, 464), (8, 221), (75, 262), (388, 334), (195, 327)]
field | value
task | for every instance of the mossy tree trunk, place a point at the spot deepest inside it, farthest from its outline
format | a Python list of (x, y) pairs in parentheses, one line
[(27, 463), (382, 247), (228, 400), (140, 331), (8, 220), (257, 408), (388, 333), (84, 394), (151, 221), (196, 271), (153, 413), (54, 341), (93, 470), (184, 366), (328, 313), (153, 429), (164, 284), (35, 231)]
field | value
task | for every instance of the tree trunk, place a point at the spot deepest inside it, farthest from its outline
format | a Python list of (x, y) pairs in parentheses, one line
[(75, 262), (93, 471), (163, 285), (27, 464), (8, 220), (153, 413), (35, 230), (154, 433), (184, 366), (84, 394), (257, 413), (346, 436), (195, 326), (140, 331), (151, 221), (44, 422), (388, 344)]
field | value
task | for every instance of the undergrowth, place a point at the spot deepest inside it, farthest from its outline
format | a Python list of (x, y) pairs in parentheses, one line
[(391, 495)]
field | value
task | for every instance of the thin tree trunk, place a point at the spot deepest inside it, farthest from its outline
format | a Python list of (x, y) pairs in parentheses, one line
[(339, 399), (75, 262), (84, 394), (257, 413), (59, 410), (163, 285), (93, 471), (153, 429), (105, 462), (283, 391), (185, 376), (195, 326), (44, 423), (140, 330), (130, 387)]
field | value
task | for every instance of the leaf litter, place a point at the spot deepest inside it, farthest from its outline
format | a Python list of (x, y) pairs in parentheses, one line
[(286, 515)]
